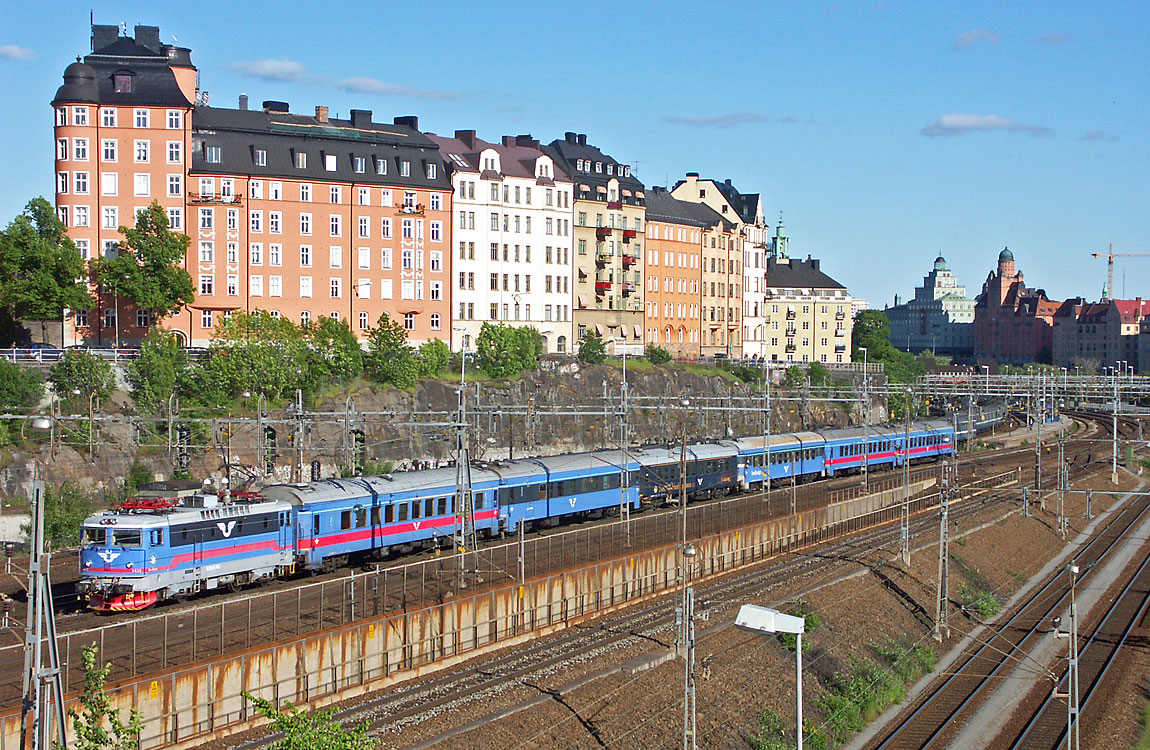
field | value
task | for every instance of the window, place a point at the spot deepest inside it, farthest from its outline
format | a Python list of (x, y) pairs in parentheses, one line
[(207, 284), (261, 157), (300, 161), (386, 290), (256, 189), (108, 150), (305, 192), (207, 218), (207, 252), (141, 151), (275, 254), (409, 321), (360, 164), (62, 148), (79, 116), (409, 197), (110, 220), (381, 166), (407, 289), (436, 260), (109, 317), (174, 186), (336, 290), (385, 260), (212, 154), (365, 196), (305, 223), (80, 149), (257, 221), (436, 290), (256, 254), (385, 228), (435, 322), (408, 229), (431, 170), (233, 285), (305, 286), (61, 182), (335, 225), (363, 321), (364, 226), (275, 286), (175, 218), (436, 202), (436, 231), (81, 214), (174, 152), (330, 162), (141, 118), (305, 256), (335, 256), (408, 260), (107, 117), (275, 222), (335, 194), (405, 168), (305, 318)]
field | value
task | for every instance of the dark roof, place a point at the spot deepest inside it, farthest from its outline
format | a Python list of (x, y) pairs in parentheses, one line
[(517, 155), (746, 205), (240, 133), (573, 147), (662, 206), (149, 64), (797, 273)]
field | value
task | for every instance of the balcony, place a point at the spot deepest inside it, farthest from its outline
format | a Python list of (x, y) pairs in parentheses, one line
[(602, 259), (615, 205), (629, 234), (839, 332), (628, 289), (840, 348), (790, 314), (840, 315), (602, 286), (415, 210), (791, 332), (629, 260), (790, 348), (204, 199), (602, 232)]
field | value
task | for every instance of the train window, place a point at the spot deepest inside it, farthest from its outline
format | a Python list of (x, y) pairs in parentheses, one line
[(126, 538), (265, 522), (417, 509), (441, 506), (375, 515), (389, 514), (404, 508), (157, 538), (479, 500), (184, 536), (315, 524), (94, 536), (360, 517), (429, 507)]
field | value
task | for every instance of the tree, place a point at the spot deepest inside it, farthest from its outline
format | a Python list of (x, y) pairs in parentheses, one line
[(81, 371), (64, 511), (390, 359), (41, 271), (657, 355), (592, 350), (433, 358), (19, 387), (316, 730), (872, 330), (146, 267), (335, 351), (505, 351), (161, 369), (88, 724), (258, 353)]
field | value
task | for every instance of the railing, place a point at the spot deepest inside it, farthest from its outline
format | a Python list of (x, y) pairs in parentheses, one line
[(123, 354)]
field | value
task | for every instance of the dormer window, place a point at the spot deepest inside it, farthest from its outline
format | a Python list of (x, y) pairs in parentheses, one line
[(122, 82), (579, 164), (599, 167), (627, 171), (431, 170), (610, 169), (380, 165)]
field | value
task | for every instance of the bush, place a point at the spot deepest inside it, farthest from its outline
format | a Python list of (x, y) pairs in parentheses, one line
[(334, 354), (434, 357), (982, 603), (389, 359), (747, 373), (657, 355), (64, 511), (80, 371), (258, 353), (795, 377), (592, 350), (161, 369), (504, 351), (19, 388)]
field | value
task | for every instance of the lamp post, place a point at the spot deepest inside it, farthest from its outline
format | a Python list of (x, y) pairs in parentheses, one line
[(768, 621), (1073, 739), (687, 615), (866, 422), (624, 468), (767, 422)]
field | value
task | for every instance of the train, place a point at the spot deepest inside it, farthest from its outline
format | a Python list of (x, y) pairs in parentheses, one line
[(175, 542)]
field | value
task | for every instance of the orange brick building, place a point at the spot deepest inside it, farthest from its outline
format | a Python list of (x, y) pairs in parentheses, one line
[(674, 250), (303, 216)]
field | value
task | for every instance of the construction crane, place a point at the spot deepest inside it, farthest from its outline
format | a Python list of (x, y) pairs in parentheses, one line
[(1110, 255)]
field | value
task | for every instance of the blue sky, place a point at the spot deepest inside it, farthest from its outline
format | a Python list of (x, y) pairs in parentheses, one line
[(885, 132)]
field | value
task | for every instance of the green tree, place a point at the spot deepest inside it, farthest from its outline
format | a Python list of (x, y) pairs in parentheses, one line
[(64, 511), (795, 377), (41, 271), (146, 267), (98, 726), (335, 351), (433, 358), (657, 355), (872, 330), (19, 387), (161, 369), (505, 351), (390, 359), (81, 371), (303, 730), (256, 352), (592, 350)]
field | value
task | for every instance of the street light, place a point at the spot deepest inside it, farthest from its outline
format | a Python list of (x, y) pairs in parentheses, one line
[(624, 469), (755, 619)]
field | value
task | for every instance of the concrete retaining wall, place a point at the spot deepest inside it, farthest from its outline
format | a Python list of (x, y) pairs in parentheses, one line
[(180, 708)]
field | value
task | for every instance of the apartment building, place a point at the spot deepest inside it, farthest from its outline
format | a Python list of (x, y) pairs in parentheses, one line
[(511, 238), (301, 215), (1013, 323), (675, 232), (608, 239)]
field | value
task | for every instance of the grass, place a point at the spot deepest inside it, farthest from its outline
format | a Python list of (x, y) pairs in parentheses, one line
[(709, 371), (1144, 739), (980, 601), (775, 734), (638, 364), (811, 620), (1020, 577)]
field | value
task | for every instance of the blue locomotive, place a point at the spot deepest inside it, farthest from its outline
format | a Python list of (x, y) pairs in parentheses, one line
[(168, 547)]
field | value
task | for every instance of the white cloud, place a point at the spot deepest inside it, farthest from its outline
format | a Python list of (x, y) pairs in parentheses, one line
[(974, 36), (1057, 37), (1099, 136), (961, 124), (270, 70), (376, 86), (728, 120), (15, 52)]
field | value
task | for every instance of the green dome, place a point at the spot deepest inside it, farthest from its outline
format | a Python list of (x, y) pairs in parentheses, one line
[(1005, 255), (940, 264)]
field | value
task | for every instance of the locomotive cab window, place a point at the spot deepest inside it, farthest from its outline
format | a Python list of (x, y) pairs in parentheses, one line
[(126, 538), (94, 536), (156, 538), (479, 501)]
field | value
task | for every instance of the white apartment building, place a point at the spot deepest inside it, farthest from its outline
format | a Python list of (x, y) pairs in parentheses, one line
[(511, 239)]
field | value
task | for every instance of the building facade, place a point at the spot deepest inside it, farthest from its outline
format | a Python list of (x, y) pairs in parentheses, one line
[(675, 231), (608, 241), (808, 313), (940, 317), (511, 238), (303, 216), (1100, 334), (1012, 322)]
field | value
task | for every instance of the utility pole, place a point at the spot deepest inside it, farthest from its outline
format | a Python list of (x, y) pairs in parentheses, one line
[(624, 468), (1038, 440), (40, 631), (1114, 429), (1073, 740), (904, 530), (465, 535), (297, 470), (941, 626), (866, 424), (1063, 521), (689, 726)]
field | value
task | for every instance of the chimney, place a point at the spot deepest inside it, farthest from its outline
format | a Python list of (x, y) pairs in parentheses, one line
[(321, 113), (727, 182), (361, 118), (692, 176), (814, 263), (582, 139), (409, 121), (466, 137), (271, 105), (568, 136), (526, 140), (508, 141), (148, 36), (103, 35), (243, 102)]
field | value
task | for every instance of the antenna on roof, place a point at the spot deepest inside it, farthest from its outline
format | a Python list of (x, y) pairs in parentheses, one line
[(124, 28)]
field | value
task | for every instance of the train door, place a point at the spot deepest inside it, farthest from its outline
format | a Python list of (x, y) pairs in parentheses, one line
[(286, 543)]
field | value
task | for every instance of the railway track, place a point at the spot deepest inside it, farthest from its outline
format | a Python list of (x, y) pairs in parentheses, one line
[(932, 719)]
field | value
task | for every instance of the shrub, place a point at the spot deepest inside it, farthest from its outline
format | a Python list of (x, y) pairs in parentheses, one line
[(983, 603), (80, 371), (505, 351), (64, 511), (657, 355), (390, 359), (161, 369), (334, 354), (592, 350), (434, 357), (256, 352), (19, 387)]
